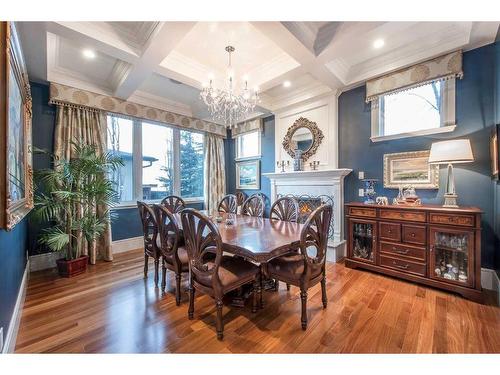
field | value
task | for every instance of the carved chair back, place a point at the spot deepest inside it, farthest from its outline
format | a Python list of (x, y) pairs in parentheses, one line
[(202, 239), (228, 204), (173, 203), (285, 209), (168, 232), (314, 240), (149, 229), (253, 206)]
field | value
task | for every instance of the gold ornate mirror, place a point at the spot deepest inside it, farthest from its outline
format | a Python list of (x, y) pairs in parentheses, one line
[(303, 135)]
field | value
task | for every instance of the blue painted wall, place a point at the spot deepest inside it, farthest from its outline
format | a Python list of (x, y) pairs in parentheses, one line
[(475, 115), (267, 162), (127, 223), (13, 246)]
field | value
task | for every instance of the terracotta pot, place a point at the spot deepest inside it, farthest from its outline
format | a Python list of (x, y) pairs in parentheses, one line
[(70, 268)]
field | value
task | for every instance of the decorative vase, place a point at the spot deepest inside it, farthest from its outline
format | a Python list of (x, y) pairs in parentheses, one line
[(370, 190), (73, 267), (297, 160)]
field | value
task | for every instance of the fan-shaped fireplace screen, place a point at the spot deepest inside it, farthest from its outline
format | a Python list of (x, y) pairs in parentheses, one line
[(308, 203)]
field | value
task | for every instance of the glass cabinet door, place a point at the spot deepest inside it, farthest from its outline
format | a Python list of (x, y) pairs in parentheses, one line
[(451, 255), (363, 235)]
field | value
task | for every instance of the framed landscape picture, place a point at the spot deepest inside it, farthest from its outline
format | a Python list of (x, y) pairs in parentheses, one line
[(410, 168), (248, 175), (16, 172)]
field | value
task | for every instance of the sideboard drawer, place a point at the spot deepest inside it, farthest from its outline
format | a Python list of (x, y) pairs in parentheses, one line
[(399, 250), (414, 234), (466, 220), (403, 265), (390, 231), (403, 215), (362, 211)]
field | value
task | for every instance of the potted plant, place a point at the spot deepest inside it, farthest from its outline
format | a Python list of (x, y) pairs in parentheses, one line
[(70, 197)]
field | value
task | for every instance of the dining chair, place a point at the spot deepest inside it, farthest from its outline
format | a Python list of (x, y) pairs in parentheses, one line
[(253, 206), (214, 276), (308, 267), (174, 255), (150, 234), (173, 203), (228, 204), (241, 197), (285, 209)]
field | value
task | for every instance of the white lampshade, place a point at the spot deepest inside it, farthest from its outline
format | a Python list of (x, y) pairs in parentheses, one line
[(448, 152)]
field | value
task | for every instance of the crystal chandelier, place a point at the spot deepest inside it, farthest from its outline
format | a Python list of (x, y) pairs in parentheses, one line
[(226, 105)]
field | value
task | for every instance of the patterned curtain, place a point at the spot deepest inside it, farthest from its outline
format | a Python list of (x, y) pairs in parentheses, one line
[(215, 175), (89, 126)]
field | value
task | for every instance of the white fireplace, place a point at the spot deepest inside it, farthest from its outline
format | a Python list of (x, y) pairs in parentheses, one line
[(326, 183)]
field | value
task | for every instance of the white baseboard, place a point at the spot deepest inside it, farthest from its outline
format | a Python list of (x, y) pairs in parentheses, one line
[(336, 252), (490, 281), (15, 320), (121, 246)]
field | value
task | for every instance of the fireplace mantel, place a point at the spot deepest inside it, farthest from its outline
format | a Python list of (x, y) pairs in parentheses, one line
[(321, 173), (328, 182)]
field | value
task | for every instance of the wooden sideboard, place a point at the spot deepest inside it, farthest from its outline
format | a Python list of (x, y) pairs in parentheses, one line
[(429, 244)]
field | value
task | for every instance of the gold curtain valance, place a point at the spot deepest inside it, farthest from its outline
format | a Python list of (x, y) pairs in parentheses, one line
[(437, 69), (66, 95), (247, 126)]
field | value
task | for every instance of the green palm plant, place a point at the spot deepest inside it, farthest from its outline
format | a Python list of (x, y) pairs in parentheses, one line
[(69, 198)]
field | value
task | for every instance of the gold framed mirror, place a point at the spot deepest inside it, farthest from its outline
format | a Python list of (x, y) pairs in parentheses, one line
[(303, 135)]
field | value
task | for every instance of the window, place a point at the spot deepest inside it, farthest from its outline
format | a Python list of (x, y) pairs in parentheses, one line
[(159, 160), (248, 145), (421, 110), (191, 164), (120, 137)]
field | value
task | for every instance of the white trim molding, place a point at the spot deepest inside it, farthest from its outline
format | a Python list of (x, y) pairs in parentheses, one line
[(491, 281), (127, 244), (11, 337)]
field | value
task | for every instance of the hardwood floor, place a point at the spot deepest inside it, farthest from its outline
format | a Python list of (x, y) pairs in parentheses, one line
[(113, 309)]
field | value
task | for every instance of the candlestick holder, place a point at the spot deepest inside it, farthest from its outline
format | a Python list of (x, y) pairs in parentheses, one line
[(314, 165), (281, 164)]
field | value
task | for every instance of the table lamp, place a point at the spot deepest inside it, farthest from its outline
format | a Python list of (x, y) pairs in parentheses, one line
[(451, 152)]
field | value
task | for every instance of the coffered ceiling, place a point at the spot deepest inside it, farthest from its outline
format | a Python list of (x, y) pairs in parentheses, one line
[(166, 63)]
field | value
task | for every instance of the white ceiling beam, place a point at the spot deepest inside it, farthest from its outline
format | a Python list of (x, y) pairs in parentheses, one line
[(285, 39), (162, 42)]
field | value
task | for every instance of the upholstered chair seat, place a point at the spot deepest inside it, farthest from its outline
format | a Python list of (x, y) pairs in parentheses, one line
[(233, 272), (290, 268), (183, 257)]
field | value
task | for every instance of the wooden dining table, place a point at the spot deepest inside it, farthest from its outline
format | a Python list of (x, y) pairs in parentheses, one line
[(254, 238)]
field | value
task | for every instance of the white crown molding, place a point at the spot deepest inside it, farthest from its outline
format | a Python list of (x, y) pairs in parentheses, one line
[(273, 68), (155, 101), (119, 73), (301, 94)]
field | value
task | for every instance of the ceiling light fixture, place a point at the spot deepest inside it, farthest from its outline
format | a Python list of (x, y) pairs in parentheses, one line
[(379, 43), (88, 53), (226, 105), (287, 84)]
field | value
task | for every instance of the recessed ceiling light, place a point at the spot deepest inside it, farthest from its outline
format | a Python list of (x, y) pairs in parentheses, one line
[(89, 54), (287, 84), (379, 43)]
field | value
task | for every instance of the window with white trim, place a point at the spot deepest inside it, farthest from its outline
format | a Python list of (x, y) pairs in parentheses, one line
[(422, 110), (248, 145), (159, 160)]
